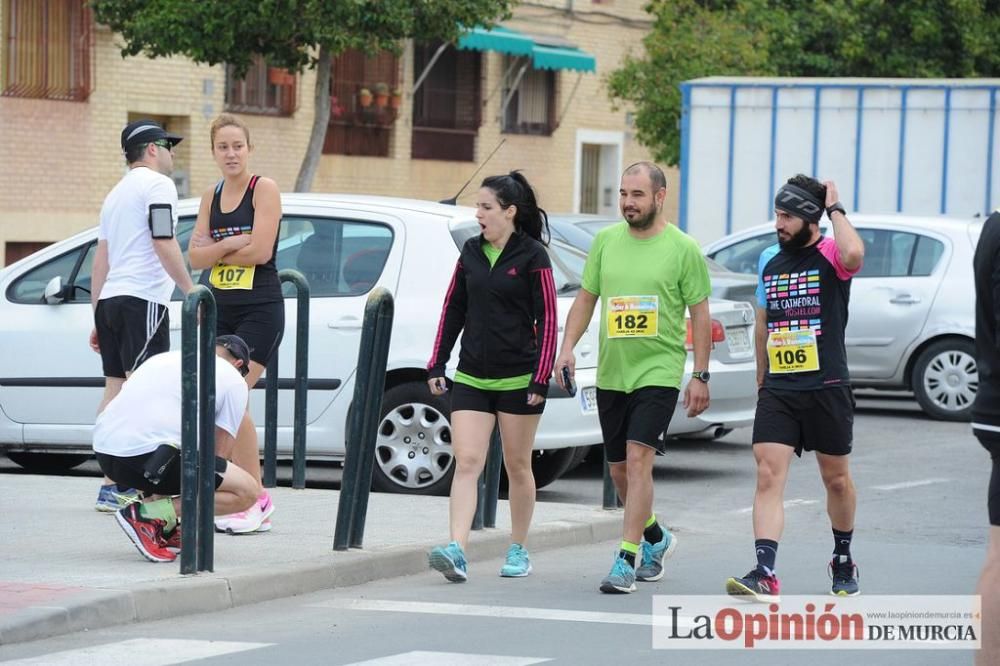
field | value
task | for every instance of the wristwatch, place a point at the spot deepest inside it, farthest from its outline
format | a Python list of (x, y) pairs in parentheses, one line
[(836, 206), (703, 375)]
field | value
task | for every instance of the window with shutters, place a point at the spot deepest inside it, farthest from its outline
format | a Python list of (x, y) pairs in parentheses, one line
[(364, 104), (532, 101), (46, 49), (447, 106), (268, 91)]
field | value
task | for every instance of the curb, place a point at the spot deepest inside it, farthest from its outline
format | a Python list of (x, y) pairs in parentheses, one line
[(209, 593)]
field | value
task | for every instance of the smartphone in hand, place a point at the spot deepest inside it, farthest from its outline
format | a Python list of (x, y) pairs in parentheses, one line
[(567, 382)]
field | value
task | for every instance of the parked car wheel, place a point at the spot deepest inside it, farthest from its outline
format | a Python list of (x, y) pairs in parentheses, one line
[(945, 379), (413, 452), (47, 462)]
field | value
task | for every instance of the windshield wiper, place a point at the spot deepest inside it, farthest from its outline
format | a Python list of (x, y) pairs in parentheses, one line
[(568, 287)]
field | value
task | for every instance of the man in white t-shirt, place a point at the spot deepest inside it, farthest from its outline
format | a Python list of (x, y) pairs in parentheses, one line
[(136, 265), (137, 439)]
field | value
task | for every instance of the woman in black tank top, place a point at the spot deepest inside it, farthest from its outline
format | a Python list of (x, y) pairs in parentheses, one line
[(234, 243)]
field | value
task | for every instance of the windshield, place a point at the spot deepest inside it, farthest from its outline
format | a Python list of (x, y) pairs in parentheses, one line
[(567, 261)]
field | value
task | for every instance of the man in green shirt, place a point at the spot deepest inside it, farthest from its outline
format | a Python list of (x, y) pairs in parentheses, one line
[(646, 272)]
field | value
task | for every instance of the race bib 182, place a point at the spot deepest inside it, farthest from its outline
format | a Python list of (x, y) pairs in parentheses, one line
[(632, 316)]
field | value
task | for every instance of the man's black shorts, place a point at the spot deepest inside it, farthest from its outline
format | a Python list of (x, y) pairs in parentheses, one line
[(127, 472), (471, 398), (124, 324), (819, 420), (991, 442), (641, 416), (261, 325)]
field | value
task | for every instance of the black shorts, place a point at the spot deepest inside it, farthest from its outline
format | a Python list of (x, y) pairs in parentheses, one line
[(124, 324), (991, 442), (641, 416), (261, 325), (128, 472), (473, 399), (820, 420)]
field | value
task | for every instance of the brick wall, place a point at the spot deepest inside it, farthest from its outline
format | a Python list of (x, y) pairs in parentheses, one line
[(60, 158)]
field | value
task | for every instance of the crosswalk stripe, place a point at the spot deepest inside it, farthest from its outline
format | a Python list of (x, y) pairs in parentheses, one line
[(910, 484), (140, 652), (449, 659), (504, 612)]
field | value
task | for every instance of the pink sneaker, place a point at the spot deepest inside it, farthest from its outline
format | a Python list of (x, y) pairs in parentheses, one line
[(254, 519)]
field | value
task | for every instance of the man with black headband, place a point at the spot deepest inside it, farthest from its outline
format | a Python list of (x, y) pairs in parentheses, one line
[(804, 400)]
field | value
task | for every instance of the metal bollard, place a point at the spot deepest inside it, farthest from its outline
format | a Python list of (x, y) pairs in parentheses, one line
[(362, 426), (301, 384), (489, 482), (301, 374), (270, 473), (611, 499), (198, 431)]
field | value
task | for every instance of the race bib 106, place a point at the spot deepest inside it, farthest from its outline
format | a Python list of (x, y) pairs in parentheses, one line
[(792, 351)]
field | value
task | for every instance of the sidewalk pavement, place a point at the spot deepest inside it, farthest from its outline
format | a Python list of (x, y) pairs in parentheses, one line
[(64, 567)]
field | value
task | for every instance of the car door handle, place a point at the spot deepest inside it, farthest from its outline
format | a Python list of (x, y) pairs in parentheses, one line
[(904, 299), (345, 324)]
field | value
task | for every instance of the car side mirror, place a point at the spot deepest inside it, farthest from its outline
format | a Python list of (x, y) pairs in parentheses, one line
[(54, 292)]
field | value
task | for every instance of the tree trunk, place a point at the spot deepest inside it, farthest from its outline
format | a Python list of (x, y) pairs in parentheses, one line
[(321, 100)]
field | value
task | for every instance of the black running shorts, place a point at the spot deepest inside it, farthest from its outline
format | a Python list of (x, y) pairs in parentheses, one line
[(474, 399), (991, 442), (124, 324), (261, 325), (128, 472), (819, 420), (641, 416)]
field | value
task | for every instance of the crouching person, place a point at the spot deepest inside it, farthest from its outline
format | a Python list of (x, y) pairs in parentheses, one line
[(136, 439)]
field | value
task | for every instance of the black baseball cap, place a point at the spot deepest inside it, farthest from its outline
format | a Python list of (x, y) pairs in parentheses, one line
[(146, 131), (235, 345)]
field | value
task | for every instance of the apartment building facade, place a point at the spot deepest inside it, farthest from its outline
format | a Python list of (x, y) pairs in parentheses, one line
[(415, 124)]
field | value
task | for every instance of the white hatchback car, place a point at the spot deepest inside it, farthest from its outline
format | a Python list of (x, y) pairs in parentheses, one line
[(50, 381), (912, 311)]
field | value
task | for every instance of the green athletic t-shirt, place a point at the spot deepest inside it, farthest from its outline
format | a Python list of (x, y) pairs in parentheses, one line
[(507, 383), (645, 286)]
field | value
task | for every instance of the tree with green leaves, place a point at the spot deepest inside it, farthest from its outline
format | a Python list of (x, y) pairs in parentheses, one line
[(837, 38), (294, 34)]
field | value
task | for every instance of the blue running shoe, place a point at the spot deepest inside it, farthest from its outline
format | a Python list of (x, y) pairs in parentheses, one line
[(653, 555), (845, 577), (449, 560), (518, 563), (111, 500), (621, 580)]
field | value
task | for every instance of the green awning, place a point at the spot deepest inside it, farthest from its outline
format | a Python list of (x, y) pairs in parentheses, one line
[(550, 57), (500, 39)]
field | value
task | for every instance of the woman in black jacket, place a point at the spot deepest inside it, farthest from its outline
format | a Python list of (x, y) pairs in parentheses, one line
[(502, 295)]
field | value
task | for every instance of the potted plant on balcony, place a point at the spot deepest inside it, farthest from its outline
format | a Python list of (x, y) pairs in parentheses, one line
[(397, 98), (278, 76), (381, 95), (365, 98)]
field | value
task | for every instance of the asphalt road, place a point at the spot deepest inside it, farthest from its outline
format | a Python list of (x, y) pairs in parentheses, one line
[(921, 530)]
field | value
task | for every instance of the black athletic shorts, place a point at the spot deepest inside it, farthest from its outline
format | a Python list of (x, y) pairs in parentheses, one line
[(818, 420), (127, 472), (641, 416), (474, 399), (991, 442), (124, 324), (261, 325)]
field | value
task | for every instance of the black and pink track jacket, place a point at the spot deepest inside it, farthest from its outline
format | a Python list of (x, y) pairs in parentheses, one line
[(508, 313)]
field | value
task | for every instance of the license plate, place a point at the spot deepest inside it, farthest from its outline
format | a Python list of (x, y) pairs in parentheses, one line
[(588, 400), (738, 339)]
